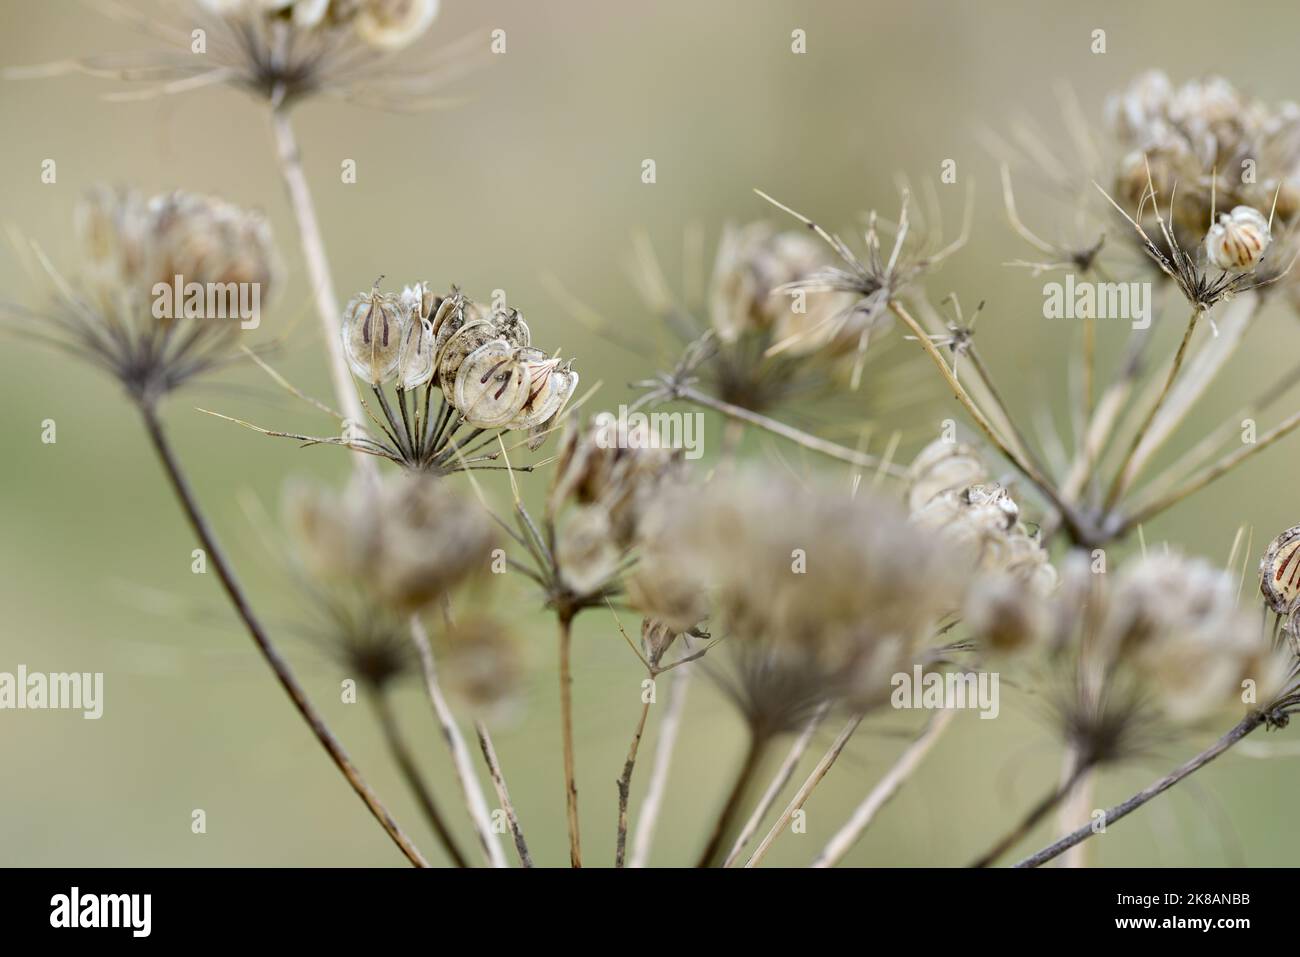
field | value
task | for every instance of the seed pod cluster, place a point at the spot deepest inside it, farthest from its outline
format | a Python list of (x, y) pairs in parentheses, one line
[(482, 361)]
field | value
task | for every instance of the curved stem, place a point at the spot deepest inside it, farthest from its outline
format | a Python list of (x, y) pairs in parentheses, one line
[(1124, 808), (411, 774), (180, 485), (566, 725)]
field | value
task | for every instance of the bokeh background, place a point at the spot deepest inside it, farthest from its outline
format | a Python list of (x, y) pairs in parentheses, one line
[(536, 174)]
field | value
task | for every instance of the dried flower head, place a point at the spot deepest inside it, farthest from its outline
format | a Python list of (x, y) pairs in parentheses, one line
[(848, 588), (873, 280), (1135, 654), (282, 51), (405, 541), (605, 473), (490, 381), (483, 664), (165, 286)]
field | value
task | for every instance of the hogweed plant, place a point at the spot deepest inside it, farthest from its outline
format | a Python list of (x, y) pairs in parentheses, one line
[(807, 604)]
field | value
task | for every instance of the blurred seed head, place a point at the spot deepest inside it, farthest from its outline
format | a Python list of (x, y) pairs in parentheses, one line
[(849, 588), (406, 541), (107, 312)]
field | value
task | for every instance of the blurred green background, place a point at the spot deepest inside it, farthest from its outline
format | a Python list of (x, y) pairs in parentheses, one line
[(537, 173)]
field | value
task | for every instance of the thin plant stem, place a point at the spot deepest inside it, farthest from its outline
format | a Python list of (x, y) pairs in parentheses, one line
[(657, 786), (982, 371), (735, 798), (799, 437), (566, 728), (234, 591), (962, 396), (849, 835), (503, 793), (318, 270), (1208, 474), (805, 790), (1048, 803), (1124, 808), (625, 786), (411, 774), (475, 802), (774, 789), (1124, 475)]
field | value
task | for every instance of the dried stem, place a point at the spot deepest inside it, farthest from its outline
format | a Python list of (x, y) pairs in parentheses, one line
[(1124, 475), (779, 781), (318, 270), (198, 521), (812, 442), (669, 725), (411, 774), (1124, 808), (1045, 806), (475, 802), (806, 789), (886, 788), (566, 726), (1208, 474), (625, 786), (735, 798), (503, 794), (958, 391)]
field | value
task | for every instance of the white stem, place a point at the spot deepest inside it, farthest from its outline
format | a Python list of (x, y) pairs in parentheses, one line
[(805, 789), (886, 788), (669, 725), (782, 778), (475, 802), (318, 272)]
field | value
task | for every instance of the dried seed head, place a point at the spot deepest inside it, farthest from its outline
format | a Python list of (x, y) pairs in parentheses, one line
[(942, 466), (406, 541), (482, 662), (753, 263), (585, 550), (374, 330), (615, 465), (122, 310), (1238, 241), (848, 587), (1005, 616)]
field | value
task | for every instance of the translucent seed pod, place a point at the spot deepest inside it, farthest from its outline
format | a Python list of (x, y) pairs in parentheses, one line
[(415, 365), (1238, 241), (373, 329), (492, 385), (393, 24)]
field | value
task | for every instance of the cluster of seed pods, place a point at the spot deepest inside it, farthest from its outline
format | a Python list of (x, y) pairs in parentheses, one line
[(482, 360)]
